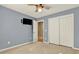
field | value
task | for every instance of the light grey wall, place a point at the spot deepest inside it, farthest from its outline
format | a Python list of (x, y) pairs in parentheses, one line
[(11, 28), (75, 11), (76, 28), (46, 29)]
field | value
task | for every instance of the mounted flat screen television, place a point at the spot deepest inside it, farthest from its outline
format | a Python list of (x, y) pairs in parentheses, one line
[(27, 21)]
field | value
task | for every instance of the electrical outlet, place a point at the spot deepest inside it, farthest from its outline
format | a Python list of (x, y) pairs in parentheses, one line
[(9, 42)]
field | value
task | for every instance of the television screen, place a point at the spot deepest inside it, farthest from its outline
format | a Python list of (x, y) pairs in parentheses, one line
[(27, 21)]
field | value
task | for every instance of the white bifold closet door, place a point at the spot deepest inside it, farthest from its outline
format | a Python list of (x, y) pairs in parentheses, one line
[(67, 30), (61, 30), (53, 30)]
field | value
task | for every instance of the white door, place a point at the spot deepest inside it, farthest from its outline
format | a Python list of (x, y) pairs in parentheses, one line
[(67, 30), (53, 30), (35, 28)]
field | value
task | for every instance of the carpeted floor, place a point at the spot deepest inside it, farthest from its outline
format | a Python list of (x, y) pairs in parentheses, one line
[(41, 48)]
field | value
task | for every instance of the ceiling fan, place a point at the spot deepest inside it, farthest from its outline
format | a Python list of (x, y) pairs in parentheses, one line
[(40, 7)]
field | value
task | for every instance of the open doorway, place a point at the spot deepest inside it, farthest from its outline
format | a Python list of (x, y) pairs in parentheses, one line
[(40, 31)]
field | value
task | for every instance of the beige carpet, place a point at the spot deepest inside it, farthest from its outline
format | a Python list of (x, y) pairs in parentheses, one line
[(41, 48)]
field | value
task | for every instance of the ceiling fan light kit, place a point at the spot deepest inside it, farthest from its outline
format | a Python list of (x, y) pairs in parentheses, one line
[(40, 7)]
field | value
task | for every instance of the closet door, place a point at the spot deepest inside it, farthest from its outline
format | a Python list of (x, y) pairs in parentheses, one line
[(67, 30), (53, 30)]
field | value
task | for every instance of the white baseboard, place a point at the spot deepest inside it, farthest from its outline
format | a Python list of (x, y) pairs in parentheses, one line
[(46, 42), (76, 48), (15, 46)]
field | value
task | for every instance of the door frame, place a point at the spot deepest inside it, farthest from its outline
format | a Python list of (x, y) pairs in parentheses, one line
[(35, 28)]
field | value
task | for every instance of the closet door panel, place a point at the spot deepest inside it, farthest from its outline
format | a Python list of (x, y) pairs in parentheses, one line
[(67, 30), (53, 30)]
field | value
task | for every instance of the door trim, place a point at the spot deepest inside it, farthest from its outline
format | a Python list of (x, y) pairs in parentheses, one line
[(35, 36)]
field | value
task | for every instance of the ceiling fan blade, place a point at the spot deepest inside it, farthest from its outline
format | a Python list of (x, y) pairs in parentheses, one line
[(31, 4), (47, 7)]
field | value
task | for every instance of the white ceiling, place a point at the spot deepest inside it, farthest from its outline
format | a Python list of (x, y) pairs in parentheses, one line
[(30, 10)]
